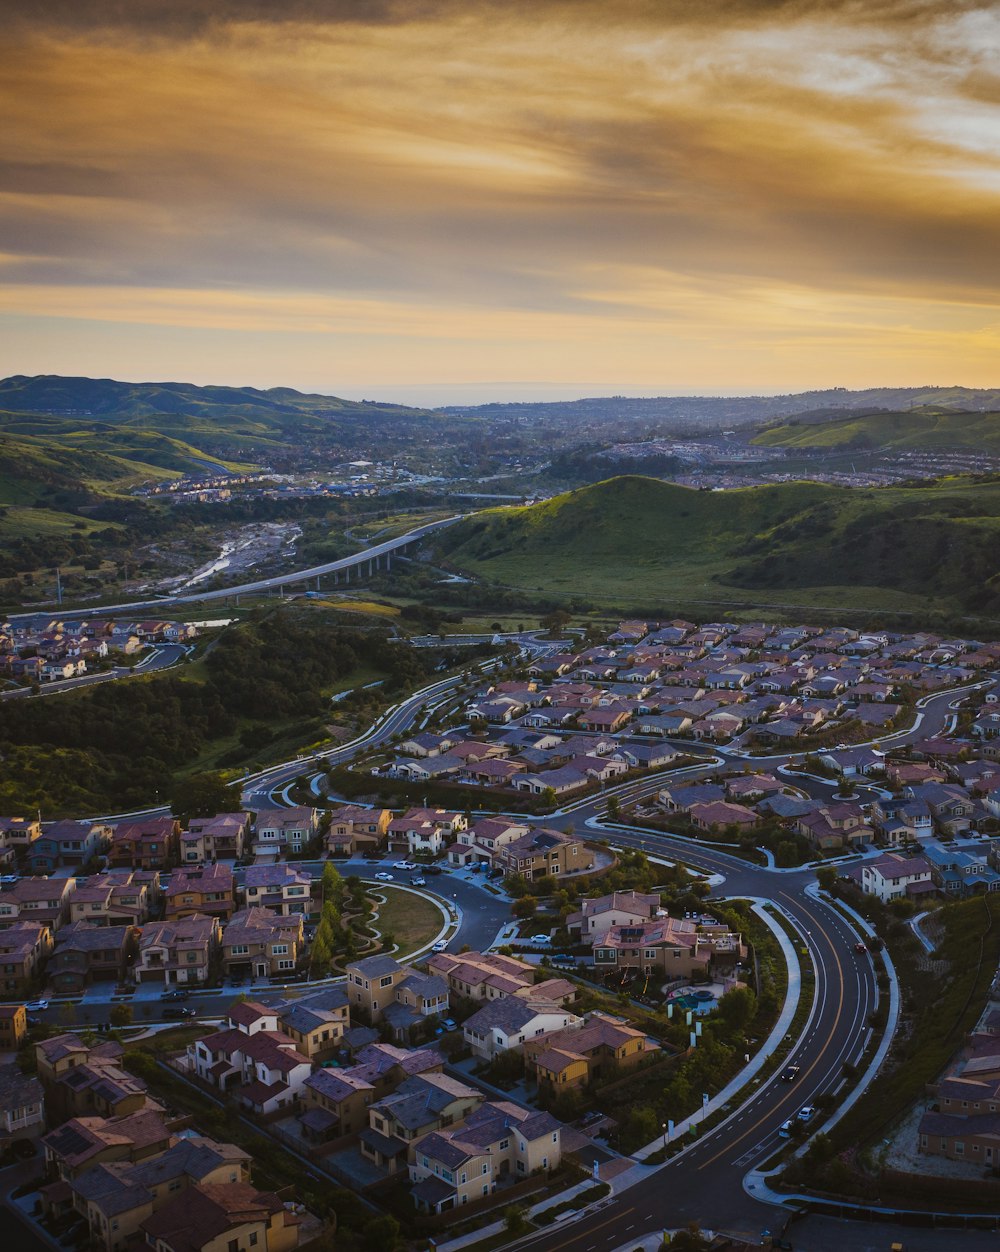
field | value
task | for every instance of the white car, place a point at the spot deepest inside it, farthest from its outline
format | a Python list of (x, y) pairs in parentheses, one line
[(807, 1112), (541, 938), (786, 1128), (440, 946), (384, 877), (404, 865), (36, 1006)]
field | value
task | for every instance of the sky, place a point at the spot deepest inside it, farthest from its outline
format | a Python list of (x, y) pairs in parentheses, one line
[(455, 201)]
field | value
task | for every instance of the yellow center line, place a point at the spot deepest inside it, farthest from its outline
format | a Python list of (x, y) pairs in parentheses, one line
[(585, 1234), (752, 1130)]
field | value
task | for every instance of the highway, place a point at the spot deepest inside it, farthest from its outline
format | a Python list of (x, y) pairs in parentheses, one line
[(345, 564)]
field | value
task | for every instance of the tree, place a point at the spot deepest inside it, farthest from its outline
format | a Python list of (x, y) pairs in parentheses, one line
[(514, 1221), (737, 1008), (381, 1234), (121, 1015), (826, 876), (525, 907), (204, 795), (556, 621), (614, 809)]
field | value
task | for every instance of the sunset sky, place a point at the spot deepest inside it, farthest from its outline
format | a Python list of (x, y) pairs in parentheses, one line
[(448, 202)]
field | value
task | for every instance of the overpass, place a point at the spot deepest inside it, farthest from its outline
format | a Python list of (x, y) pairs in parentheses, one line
[(366, 562)]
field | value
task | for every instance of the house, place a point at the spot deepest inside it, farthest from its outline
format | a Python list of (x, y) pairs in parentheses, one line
[(680, 798), (720, 815), (354, 828), (425, 830), (67, 843), (262, 944), (506, 1023), (224, 837), (571, 1058), (19, 832), (669, 948), (150, 843), (277, 887), (482, 975), (252, 1059), (454, 1167), (84, 1142), (317, 1023), (226, 1217), (179, 953), (116, 1197), (558, 781), (382, 988), (13, 1026), (481, 840), (892, 876), (418, 1106), (85, 953), (543, 851), (114, 898), (22, 1105), (44, 900), (831, 826), (958, 874), (205, 889), (84, 1080), (285, 830), (24, 949), (338, 1099), (621, 908), (645, 755)]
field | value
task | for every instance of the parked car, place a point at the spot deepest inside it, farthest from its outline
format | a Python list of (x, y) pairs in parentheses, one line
[(12, 878), (541, 938), (433, 869), (36, 1006), (176, 993), (419, 881), (449, 1023), (807, 1112), (404, 865), (791, 1073), (175, 1012), (786, 1128), (384, 877), (439, 946)]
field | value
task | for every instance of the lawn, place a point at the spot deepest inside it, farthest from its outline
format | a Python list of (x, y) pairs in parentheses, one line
[(412, 920)]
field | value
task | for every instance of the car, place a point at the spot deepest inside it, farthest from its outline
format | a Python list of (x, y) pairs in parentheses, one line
[(860, 949), (419, 881), (807, 1112), (449, 1023), (174, 1012), (791, 1073), (786, 1128), (440, 946), (404, 865), (384, 877), (541, 938), (176, 993), (11, 878), (433, 869), (36, 1006)]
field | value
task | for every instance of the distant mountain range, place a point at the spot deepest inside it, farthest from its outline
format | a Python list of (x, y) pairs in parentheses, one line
[(640, 542)]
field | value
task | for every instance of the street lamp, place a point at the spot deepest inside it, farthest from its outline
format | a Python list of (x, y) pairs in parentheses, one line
[(664, 1136)]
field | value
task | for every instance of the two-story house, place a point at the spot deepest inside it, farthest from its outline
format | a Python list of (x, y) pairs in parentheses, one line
[(147, 843), (353, 828), (178, 953), (36, 899), (595, 917), (317, 1023), (262, 944), (118, 897), (85, 953), (285, 830), (572, 1058), (279, 888), (22, 1105), (224, 837), (505, 1024), (24, 949), (67, 843), (891, 877), (205, 889), (542, 852), (421, 1104), (253, 1059), (226, 1217), (380, 988)]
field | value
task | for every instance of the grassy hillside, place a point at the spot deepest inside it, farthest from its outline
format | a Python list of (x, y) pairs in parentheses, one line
[(639, 541), (928, 427)]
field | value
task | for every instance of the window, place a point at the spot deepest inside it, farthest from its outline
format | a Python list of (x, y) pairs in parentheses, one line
[(280, 949), (486, 1167), (385, 982), (233, 1245), (504, 1145), (253, 1238), (287, 964), (239, 949), (192, 957)]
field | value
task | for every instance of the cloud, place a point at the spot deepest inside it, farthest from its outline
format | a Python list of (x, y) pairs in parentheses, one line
[(499, 161)]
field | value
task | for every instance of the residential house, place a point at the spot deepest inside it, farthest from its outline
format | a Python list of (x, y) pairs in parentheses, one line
[(481, 840), (621, 908), (84, 1080), (19, 832), (24, 949), (148, 843), (353, 828), (253, 1059), (262, 944), (720, 815), (22, 1105), (668, 948), (228, 1217), (338, 1099), (13, 1026), (681, 798), (85, 953), (958, 874), (317, 1023), (892, 876), (456, 1166), (573, 1057), (285, 830), (277, 887), (482, 975), (426, 830), (543, 851), (832, 826), (381, 988), (118, 897), (224, 837), (35, 899), (84, 1142), (418, 1106), (181, 952), (67, 843), (116, 1197), (506, 1023), (205, 889)]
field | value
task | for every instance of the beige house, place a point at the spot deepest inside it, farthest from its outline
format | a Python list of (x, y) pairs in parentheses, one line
[(222, 1217), (205, 889), (262, 944), (37, 899), (502, 1025), (13, 1026), (601, 1043), (418, 1106), (178, 952), (279, 888), (543, 852), (22, 1104), (317, 1023), (620, 908), (354, 828), (24, 949), (118, 897), (86, 1080), (117, 1197), (285, 830), (84, 1142), (671, 947), (452, 1168), (223, 837)]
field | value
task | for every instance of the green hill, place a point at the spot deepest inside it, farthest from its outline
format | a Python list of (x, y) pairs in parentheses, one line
[(640, 541), (927, 427)]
